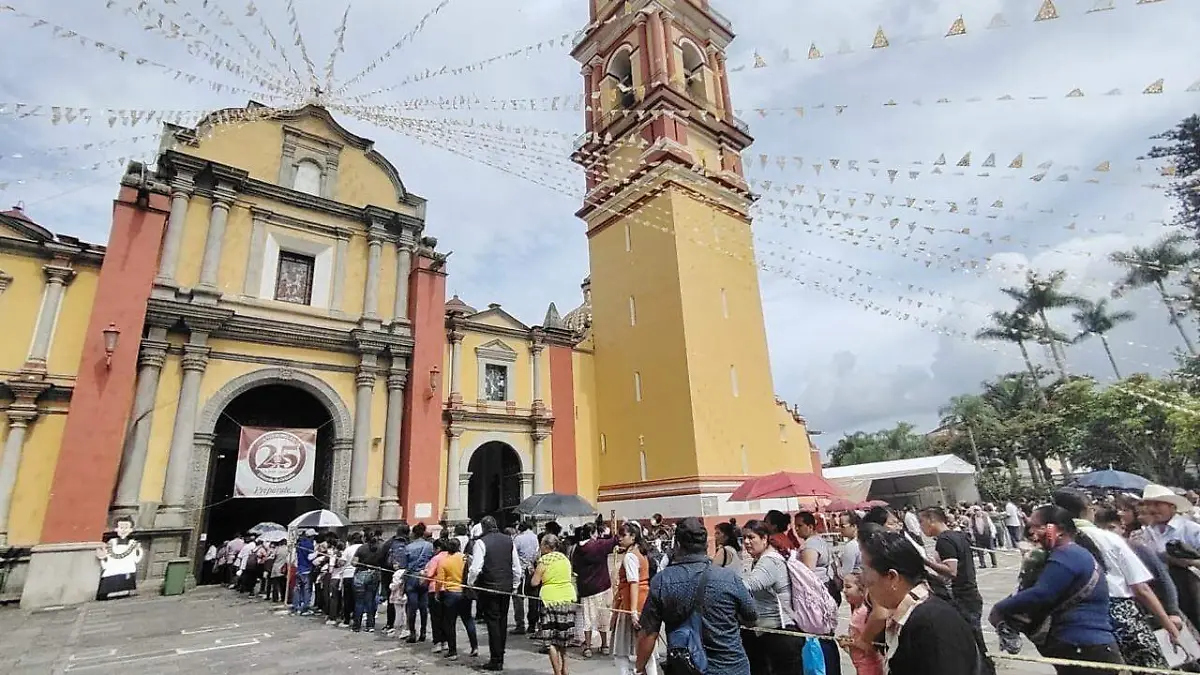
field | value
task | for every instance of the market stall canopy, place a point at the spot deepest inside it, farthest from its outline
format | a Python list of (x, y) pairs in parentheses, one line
[(907, 479)]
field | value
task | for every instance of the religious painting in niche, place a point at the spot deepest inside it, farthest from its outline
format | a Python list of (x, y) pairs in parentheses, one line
[(119, 559), (495, 382), (293, 282)]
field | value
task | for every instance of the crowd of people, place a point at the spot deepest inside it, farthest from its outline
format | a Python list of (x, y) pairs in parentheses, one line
[(760, 598)]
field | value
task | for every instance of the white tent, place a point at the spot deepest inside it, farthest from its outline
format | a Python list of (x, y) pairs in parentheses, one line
[(922, 481)]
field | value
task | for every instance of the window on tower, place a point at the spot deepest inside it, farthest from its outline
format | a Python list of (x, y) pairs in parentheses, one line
[(620, 79), (693, 71)]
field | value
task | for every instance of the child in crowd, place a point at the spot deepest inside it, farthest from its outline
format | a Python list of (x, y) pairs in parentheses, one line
[(867, 661), (399, 600)]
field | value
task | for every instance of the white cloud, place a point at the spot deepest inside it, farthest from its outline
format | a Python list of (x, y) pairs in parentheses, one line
[(518, 243)]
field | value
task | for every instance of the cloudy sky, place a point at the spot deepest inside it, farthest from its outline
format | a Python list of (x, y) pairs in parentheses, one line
[(507, 211)]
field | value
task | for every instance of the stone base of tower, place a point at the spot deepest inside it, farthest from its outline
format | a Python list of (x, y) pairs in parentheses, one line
[(704, 497)]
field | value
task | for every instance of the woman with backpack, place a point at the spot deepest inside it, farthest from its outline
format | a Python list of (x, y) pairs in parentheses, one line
[(769, 585), (633, 587)]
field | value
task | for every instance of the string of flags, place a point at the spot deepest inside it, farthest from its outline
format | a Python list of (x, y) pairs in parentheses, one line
[(379, 60), (276, 45), (339, 47), (61, 32), (197, 44), (298, 42), (95, 145)]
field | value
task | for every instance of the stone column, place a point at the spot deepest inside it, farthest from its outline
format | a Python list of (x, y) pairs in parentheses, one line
[(589, 122), (648, 52), (723, 78), (540, 483), (361, 453), (20, 416), (396, 381), (454, 506), (526, 486), (181, 195), (150, 362), (663, 60), (539, 404), (210, 264), (404, 253), (456, 339), (179, 463), (57, 278), (597, 107), (371, 290)]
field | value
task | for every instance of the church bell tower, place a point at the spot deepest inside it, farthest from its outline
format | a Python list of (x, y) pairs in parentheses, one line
[(684, 401)]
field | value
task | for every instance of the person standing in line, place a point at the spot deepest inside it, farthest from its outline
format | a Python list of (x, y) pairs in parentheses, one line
[(727, 608), (432, 573), (396, 556), (984, 533), (552, 576), (496, 573), (527, 550), (449, 578), (349, 599), (366, 584), (769, 584), (232, 555), (633, 587), (590, 564), (419, 552), (302, 595), (1013, 519), (955, 562), (912, 524), (851, 557), (782, 537), (210, 563), (279, 564), (727, 545)]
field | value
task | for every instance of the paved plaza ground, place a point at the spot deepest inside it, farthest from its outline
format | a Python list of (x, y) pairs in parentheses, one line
[(212, 631)]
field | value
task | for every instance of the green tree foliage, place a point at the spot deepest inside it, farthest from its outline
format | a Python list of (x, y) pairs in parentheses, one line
[(1183, 152), (861, 447)]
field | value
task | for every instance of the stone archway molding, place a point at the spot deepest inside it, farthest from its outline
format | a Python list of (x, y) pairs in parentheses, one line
[(343, 429), (512, 440)]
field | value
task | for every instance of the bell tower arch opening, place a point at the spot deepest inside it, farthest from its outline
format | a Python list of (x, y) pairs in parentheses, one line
[(619, 78), (671, 159)]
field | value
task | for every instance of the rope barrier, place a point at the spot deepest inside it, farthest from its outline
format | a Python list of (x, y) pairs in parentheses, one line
[(840, 639)]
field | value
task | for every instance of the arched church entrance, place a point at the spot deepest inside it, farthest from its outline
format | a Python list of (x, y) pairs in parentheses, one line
[(495, 485), (268, 405)]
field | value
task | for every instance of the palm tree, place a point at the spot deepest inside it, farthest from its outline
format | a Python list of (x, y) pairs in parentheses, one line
[(1039, 295), (967, 412), (1093, 319), (1153, 266), (1017, 328)]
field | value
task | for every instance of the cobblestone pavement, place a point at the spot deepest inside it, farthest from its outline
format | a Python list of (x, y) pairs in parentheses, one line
[(213, 631)]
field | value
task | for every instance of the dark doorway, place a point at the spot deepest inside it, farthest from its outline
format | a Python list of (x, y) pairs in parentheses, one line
[(273, 405), (495, 487)]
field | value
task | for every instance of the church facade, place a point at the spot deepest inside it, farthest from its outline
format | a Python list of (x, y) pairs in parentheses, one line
[(276, 272)]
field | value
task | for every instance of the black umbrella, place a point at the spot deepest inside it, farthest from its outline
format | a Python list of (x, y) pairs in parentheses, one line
[(556, 505)]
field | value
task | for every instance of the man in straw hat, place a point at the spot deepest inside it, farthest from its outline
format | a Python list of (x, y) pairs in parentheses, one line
[(1169, 522)]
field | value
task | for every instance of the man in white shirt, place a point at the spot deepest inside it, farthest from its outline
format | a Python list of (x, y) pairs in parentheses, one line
[(526, 544), (1169, 522), (1012, 523), (1128, 584), (913, 524)]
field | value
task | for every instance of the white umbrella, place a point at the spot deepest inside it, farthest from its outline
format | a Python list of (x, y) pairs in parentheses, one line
[(263, 528), (273, 535), (318, 519)]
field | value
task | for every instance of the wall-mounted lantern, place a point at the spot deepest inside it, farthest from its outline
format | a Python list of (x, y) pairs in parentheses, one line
[(112, 335)]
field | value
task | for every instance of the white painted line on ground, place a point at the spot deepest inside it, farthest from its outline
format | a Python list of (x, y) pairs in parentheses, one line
[(388, 651), (86, 656), (208, 629), (183, 652)]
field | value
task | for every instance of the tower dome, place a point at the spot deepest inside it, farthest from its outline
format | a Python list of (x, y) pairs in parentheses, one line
[(455, 305), (579, 319)]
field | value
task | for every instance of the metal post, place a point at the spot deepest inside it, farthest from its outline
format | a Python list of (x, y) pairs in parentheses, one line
[(941, 489)]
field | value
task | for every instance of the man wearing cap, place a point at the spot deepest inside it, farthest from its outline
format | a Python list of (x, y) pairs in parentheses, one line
[(1169, 522), (727, 604)]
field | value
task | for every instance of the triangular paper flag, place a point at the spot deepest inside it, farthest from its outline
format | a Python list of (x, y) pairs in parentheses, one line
[(937, 169), (1046, 164), (1195, 87), (1156, 87), (1113, 92), (759, 62), (957, 28), (1063, 178), (1103, 166), (834, 163), (990, 161), (817, 168), (998, 204), (1006, 97), (912, 175), (1038, 178), (1047, 11), (1018, 162), (966, 160), (892, 175), (998, 21), (813, 52), (1075, 93), (881, 40), (941, 160), (1101, 6)]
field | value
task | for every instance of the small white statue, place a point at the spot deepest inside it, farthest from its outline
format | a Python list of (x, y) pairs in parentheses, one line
[(119, 560)]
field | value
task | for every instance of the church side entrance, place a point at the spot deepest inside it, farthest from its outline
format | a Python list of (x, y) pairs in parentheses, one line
[(495, 485), (269, 405)]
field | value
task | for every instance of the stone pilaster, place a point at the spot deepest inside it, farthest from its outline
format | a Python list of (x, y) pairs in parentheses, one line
[(340, 492), (370, 316), (21, 414), (537, 349), (181, 195), (397, 380), (526, 486), (252, 283), (57, 277), (404, 253), (210, 264), (179, 463), (338, 300), (456, 339), (150, 362), (364, 383), (454, 506), (541, 484)]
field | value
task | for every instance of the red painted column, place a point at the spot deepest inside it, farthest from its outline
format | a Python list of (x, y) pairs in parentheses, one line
[(421, 444), (726, 102), (90, 456), (648, 50), (589, 121), (665, 45), (562, 435)]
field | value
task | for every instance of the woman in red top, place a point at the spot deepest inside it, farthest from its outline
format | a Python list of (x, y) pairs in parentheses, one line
[(633, 587)]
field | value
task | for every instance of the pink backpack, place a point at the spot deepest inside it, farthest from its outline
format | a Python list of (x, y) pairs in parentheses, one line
[(812, 607)]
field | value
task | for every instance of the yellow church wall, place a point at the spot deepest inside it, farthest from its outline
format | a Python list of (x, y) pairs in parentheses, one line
[(195, 231), (587, 443), (154, 473), (235, 250), (255, 147), (378, 425), (70, 327), (520, 389), (734, 405), (362, 183), (31, 493), (655, 348), (20, 305), (623, 161)]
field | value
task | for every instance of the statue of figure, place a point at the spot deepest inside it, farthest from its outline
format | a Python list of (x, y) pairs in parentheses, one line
[(119, 559)]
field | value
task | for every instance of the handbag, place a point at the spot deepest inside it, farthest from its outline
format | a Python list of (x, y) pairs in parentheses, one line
[(685, 642), (1038, 630)]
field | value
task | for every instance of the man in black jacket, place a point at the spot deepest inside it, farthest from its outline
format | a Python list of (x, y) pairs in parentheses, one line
[(496, 571)]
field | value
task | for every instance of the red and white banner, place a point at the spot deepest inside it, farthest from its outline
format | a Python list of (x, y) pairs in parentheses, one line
[(275, 462)]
